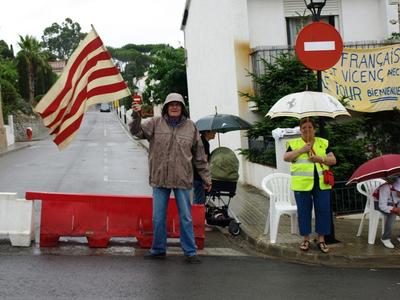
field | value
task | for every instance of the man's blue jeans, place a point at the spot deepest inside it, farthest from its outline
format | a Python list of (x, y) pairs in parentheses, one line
[(160, 206)]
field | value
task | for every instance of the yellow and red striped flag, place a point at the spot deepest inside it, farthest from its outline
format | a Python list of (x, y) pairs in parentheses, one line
[(90, 77)]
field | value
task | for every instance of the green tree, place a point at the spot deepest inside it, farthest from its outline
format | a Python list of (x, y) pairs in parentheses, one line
[(61, 40), (381, 131), (136, 59), (287, 75), (6, 52), (167, 74), (33, 59), (8, 71)]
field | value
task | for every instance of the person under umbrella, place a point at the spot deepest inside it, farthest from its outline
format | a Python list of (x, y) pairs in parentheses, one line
[(309, 156), (222, 123), (199, 194), (387, 201)]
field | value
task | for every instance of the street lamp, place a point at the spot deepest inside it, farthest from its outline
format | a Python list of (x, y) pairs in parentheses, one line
[(315, 6)]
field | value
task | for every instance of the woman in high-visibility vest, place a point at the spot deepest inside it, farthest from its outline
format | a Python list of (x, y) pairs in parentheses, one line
[(309, 156)]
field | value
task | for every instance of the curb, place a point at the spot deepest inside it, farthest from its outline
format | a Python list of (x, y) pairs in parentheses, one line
[(13, 149), (289, 253)]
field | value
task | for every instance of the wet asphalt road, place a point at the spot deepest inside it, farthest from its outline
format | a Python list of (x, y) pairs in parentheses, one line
[(121, 277)]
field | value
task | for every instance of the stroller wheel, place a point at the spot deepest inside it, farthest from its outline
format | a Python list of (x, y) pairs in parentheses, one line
[(234, 228)]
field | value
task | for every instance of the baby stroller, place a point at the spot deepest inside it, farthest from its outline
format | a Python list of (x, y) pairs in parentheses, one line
[(224, 168)]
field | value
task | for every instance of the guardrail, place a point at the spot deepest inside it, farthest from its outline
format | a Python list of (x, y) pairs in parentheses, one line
[(16, 219), (101, 217)]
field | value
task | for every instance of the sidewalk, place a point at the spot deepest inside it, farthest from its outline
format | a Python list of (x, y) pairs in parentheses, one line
[(251, 207)]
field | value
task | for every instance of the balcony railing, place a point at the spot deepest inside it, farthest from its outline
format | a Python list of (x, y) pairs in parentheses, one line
[(270, 53)]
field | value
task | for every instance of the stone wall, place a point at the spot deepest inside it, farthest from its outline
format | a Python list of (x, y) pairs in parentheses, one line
[(21, 122)]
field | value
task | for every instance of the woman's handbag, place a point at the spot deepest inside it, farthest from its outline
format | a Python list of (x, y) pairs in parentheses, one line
[(328, 174), (328, 177)]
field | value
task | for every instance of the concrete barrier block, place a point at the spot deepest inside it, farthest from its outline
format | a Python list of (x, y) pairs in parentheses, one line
[(16, 219)]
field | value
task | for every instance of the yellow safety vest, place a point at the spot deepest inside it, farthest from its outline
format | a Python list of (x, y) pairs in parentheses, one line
[(302, 169)]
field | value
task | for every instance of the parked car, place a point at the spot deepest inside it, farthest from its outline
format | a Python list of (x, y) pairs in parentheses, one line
[(105, 107)]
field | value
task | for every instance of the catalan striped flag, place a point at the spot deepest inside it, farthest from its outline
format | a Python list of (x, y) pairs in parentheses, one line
[(90, 77)]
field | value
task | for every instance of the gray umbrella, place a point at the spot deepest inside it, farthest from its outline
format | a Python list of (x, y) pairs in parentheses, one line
[(222, 123)]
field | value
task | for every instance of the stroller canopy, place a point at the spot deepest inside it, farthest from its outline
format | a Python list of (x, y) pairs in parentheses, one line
[(224, 165)]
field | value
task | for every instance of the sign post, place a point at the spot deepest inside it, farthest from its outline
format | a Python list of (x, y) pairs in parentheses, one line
[(319, 46)]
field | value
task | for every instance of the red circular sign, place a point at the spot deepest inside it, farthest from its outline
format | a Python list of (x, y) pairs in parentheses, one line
[(319, 46), (137, 99)]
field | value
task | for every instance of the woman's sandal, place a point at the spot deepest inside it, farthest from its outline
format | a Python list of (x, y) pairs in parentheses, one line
[(305, 245), (323, 247)]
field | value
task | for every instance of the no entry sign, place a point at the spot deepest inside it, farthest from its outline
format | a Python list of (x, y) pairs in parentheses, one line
[(319, 46), (137, 99)]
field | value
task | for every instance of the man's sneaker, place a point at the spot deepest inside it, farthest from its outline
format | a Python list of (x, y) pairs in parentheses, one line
[(194, 259), (398, 238), (387, 244), (156, 255)]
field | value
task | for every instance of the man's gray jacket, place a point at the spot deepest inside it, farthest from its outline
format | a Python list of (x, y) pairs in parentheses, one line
[(173, 152)]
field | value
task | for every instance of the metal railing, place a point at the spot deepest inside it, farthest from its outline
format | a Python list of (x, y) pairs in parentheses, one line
[(270, 53), (346, 200)]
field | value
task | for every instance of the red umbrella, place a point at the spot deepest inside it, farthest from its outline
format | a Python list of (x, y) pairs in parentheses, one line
[(378, 167)]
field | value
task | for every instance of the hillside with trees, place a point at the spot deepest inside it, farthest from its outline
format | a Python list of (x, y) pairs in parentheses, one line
[(26, 76)]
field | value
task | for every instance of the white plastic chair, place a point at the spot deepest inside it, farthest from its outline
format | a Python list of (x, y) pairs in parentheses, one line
[(281, 201), (367, 188)]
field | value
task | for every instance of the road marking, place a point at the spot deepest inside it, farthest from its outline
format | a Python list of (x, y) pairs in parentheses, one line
[(121, 180), (319, 46), (81, 248), (105, 165)]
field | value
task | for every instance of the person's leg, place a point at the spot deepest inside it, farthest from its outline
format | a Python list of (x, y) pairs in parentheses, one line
[(322, 206), (199, 195), (160, 206), (304, 207), (390, 219), (185, 218)]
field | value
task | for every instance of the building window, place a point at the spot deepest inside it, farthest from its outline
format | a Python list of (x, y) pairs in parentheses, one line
[(294, 25)]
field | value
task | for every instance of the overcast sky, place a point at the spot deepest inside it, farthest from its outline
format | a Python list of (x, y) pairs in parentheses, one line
[(118, 22)]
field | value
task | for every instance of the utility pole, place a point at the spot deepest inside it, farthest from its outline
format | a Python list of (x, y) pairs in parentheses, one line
[(3, 136)]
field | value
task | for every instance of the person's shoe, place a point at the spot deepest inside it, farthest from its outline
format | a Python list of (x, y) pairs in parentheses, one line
[(194, 259), (161, 255), (323, 247), (387, 244), (398, 238)]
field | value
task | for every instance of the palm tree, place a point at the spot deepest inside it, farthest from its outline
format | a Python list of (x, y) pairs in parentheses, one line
[(33, 57)]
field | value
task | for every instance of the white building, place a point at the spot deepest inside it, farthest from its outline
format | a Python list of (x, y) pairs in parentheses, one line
[(223, 39)]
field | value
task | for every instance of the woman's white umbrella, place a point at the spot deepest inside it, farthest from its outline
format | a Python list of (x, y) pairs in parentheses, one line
[(307, 104)]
